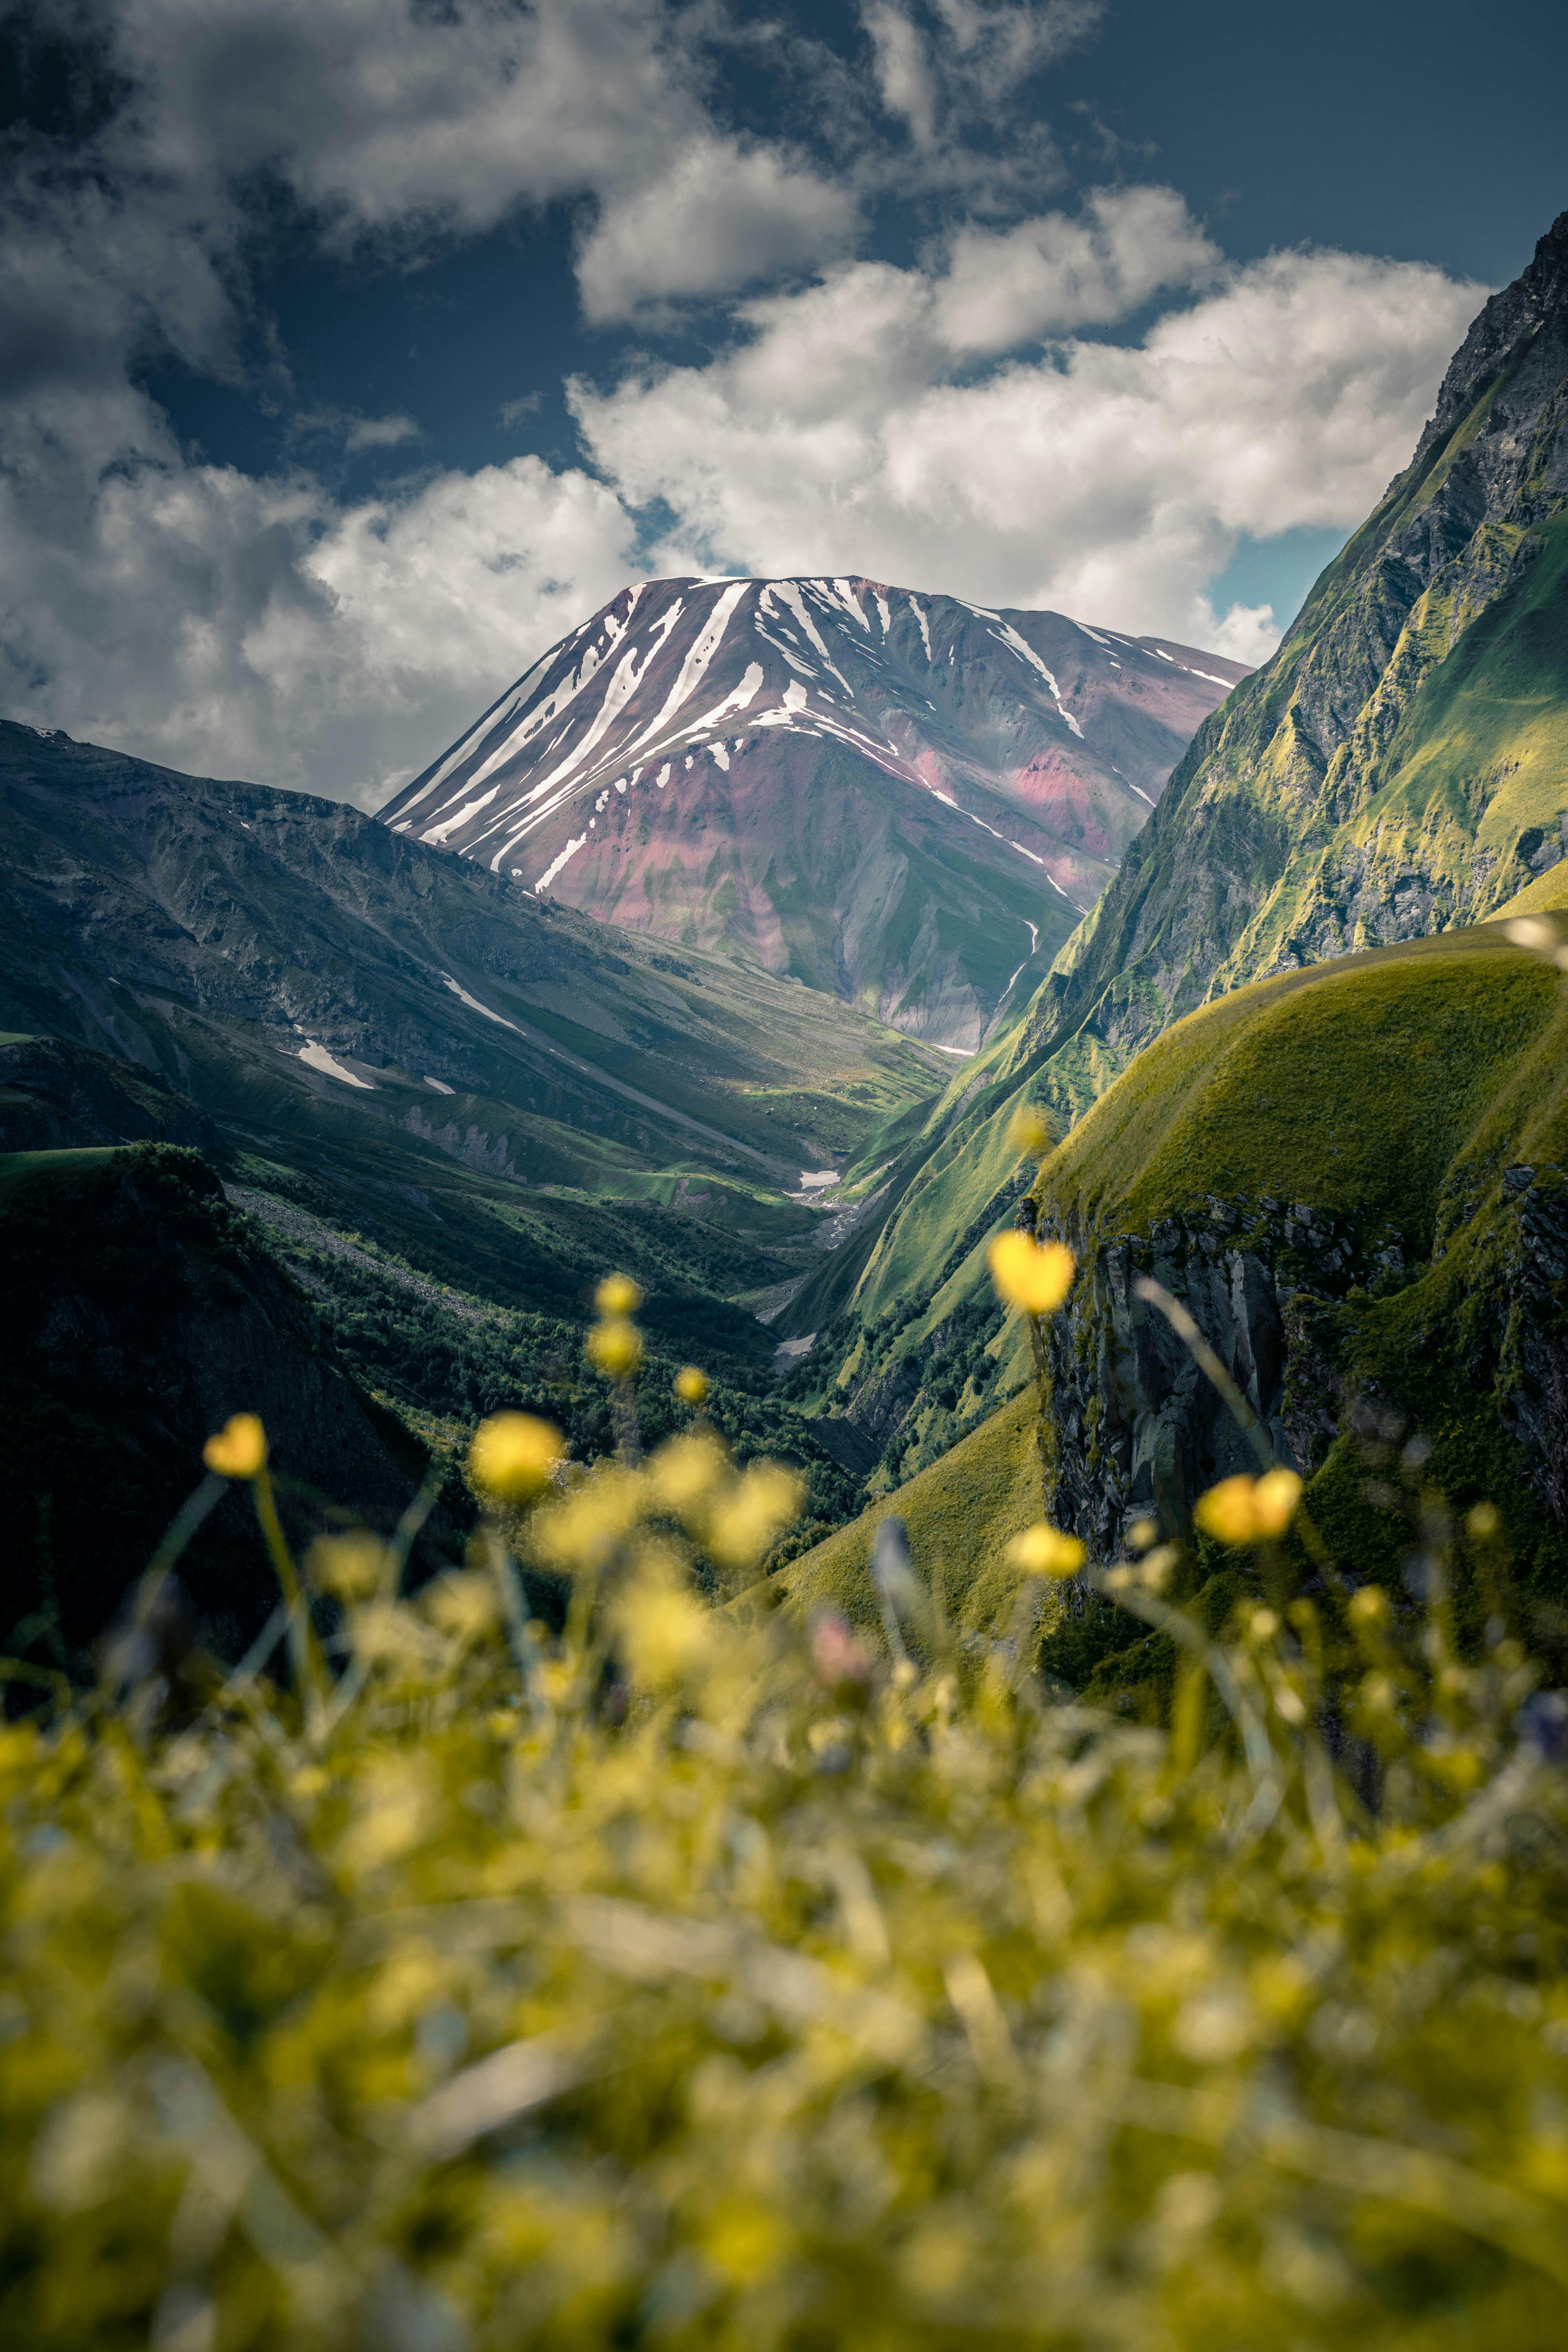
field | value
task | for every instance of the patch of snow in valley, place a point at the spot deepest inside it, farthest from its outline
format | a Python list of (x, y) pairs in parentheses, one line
[(818, 1179), (918, 609), (789, 1352), (1033, 943), (316, 1057), (440, 1085), (475, 1006)]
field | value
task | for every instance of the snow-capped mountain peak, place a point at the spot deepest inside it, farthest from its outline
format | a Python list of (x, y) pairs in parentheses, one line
[(591, 775)]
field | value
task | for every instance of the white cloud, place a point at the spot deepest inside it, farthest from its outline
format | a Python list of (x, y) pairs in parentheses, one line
[(1107, 480), (195, 615), (405, 122), (722, 215), (379, 432), (1002, 288), (957, 68)]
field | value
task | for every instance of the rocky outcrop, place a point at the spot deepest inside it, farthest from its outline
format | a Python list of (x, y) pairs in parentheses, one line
[(58, 1096), (1285, 1295), (1532, 1324), (1139, 1429)]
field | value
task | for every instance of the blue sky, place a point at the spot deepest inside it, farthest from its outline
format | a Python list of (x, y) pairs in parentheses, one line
[(360, 349)]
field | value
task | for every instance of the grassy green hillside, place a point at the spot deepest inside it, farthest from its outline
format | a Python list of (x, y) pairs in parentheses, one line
[(959, 1514), (1361, 1086), (1384, 1139)]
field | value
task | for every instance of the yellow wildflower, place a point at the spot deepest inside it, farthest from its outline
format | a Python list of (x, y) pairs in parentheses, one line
[(614, 1347), (512, 1455), (1243, 1510), (1482, 1522), (691, 1385), (685, 1470), (759, 1507), (666, 1632), (1030, 1134), (1029, 1275), (239, 1449), (1044, 1550), (352, 1566), (617, 1296), (462, 1603)]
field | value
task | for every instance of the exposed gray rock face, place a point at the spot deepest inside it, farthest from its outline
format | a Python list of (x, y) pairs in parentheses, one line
[(1142, 1431), (1532, 1330)]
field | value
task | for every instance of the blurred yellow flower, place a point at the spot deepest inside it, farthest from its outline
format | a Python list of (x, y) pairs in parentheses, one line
[(1369, 1606), (239, 1449), (1243, 1510), (512, 1455), (1029, 1133), (759, 1507), (462, 1604), (352, 1566), (1529, 931), (691, 1385), (582, 1533), (1029, 1275), (1044, 1550), (666, 1632), (614, 1348), (1482, 1522), (618, 1295), (685, 1470)]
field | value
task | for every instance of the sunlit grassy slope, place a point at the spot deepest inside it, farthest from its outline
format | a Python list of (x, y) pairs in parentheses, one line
[(1358, 1087), (959, 1514), (1394, 1089)]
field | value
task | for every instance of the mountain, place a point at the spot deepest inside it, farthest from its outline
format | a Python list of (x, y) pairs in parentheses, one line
[(451, 1106), (298, 970), (1353, 1175), (904, 800), (1400, 766)]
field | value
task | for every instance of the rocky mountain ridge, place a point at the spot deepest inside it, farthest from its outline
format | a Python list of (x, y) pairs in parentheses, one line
[(1401, 764), (905, 800)]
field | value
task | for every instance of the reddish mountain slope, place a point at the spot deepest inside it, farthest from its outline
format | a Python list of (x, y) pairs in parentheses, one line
[(905, 800)]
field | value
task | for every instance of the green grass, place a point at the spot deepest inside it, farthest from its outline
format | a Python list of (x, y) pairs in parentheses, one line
[(1354, 1085), (959, 1514), (15, 1165)]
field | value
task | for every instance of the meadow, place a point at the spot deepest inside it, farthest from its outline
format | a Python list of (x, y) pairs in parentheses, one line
[(712, 1972)]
